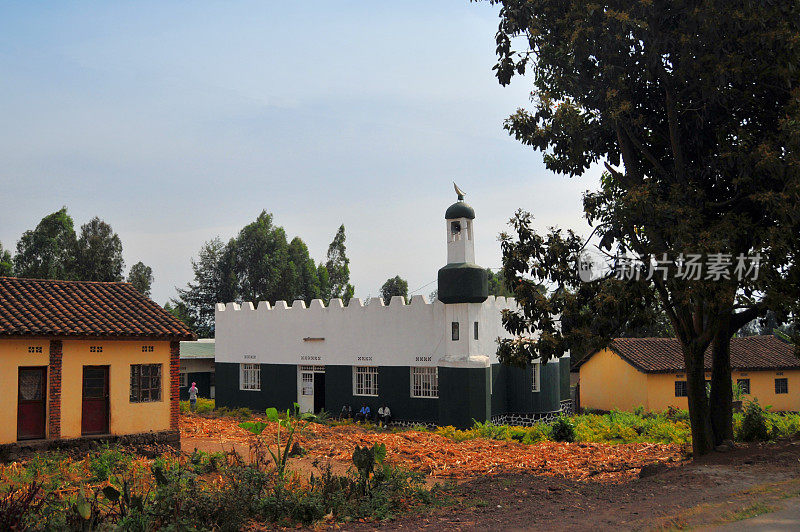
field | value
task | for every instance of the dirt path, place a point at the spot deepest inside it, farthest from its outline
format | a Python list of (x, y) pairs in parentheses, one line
[(716, 489)]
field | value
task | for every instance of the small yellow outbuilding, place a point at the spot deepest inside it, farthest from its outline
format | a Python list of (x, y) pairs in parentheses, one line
[(86, 359), (649, 372)]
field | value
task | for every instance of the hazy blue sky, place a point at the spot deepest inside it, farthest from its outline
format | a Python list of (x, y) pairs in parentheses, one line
[(179, 121)]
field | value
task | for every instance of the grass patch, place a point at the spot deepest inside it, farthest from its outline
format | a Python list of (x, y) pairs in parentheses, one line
[(670, 426), (748, 512)]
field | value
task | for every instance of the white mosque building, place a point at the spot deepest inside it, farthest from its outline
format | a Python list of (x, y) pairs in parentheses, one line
[(431, 362)]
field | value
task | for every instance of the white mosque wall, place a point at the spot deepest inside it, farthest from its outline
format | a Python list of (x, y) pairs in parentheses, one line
[(398, 334)]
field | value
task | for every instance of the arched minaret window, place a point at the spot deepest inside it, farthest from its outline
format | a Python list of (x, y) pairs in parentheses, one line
[(455, 231)]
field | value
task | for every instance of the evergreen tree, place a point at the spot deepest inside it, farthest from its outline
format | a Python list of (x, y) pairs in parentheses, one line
[(261, 266), (141, 277), (47, 252), (396, 286), (213, 283), (306, 285), (338, 266), (6, 262), (98, 253), (179, 309)]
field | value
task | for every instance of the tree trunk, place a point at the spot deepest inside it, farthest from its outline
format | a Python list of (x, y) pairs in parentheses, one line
[(721, 386), (699, 412)]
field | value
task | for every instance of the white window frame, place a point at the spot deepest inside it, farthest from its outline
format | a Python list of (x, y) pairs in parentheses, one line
[(425, 382), (183, 380), (536, 377), (250, 377), (365, 381)]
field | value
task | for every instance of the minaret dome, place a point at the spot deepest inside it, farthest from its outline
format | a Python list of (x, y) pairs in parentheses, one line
[(461, 281)]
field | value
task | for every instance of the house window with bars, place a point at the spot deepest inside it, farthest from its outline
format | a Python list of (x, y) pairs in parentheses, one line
[(424, 382), (250, 377), (535, 377), (781, 386), (145, 383), (680, 389), (183, 380), (365, 380), (744, 386)]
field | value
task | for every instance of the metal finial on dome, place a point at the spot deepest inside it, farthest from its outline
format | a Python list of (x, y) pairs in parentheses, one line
[(460, 192)]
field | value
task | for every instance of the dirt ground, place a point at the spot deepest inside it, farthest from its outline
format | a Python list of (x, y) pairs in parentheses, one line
[(723, 487), (704, 494)]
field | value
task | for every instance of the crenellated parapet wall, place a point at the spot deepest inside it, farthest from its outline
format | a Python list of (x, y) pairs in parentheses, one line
[(375, 303), (417, 333)]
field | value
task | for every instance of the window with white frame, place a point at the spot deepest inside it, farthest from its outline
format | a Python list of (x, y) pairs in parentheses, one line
[(183, 380), (535, 374), (365, 380), (250, 377), (424, 382)]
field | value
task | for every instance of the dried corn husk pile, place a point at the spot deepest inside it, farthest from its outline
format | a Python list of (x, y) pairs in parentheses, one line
[(441, 457)]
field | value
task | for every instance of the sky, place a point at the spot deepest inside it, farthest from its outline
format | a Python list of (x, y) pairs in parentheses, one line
[(177, 122)]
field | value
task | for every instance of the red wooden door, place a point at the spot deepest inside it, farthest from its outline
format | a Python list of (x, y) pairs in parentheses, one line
[(94, 412), (31, 403)]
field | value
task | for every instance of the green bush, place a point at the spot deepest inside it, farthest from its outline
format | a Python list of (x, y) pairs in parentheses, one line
[(108, 461), (754, 423), (563, 430), (203, 406)]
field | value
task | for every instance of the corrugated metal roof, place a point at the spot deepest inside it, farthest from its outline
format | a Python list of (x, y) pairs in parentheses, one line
[(200, 349)]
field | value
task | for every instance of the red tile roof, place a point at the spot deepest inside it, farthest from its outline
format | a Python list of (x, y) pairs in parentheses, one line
[(37, 307), (664, 355)]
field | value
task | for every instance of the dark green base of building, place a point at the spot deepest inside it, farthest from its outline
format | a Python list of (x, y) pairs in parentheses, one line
[(466, 395)]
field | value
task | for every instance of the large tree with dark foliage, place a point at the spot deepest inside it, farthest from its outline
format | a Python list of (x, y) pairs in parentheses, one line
[(257, 265), (338, 268), (98, 253), (141, 277), (694, 110), (396, 286), (48, 250)]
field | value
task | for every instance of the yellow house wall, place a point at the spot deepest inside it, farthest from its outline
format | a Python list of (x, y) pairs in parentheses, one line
[(13, 355), (762, 386), (660, 388), (661, 391), (124, 417), (607, 382)]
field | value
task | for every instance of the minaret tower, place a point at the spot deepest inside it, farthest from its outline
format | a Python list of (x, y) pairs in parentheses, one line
[(461, 280)]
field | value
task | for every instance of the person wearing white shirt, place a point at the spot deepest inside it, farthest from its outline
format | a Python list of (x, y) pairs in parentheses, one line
[(384, 415)]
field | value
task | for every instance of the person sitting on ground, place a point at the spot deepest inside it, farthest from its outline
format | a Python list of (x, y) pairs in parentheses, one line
[(193, 396), (346, 412), (384, 415), (364, 413)]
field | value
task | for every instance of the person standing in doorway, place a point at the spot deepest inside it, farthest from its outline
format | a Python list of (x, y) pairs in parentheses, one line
[(193, 396)]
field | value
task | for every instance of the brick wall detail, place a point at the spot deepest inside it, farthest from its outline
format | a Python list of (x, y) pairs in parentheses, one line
[(174, 380), (54, 399)]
